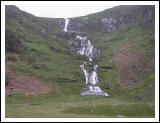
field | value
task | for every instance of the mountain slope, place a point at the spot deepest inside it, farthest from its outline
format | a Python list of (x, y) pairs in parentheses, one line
[(38, 47), (43, 52), (113, 19), (125, 36)]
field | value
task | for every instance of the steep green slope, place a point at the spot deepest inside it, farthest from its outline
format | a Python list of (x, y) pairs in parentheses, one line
[(125, 36), (44, 53)]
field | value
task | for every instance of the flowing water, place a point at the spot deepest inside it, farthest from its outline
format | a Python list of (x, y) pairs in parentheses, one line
[(86, 47), (88, 50), (66, 24)]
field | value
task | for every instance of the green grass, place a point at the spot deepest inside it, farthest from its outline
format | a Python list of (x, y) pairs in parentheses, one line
[(73, 105), (55, 65), (52, 65)]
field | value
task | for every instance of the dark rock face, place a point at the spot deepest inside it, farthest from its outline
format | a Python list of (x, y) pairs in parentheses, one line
[(79, 25), (149, 14), (73, 43), (112, 19), (114, 22), (109, 24), (13, 42), (39, 25), (61, 23), (12, 11)]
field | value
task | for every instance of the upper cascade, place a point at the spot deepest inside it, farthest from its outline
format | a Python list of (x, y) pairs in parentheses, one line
[(87, 48), (66, 24)]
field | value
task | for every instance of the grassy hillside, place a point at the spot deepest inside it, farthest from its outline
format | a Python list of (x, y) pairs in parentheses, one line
[(44, 54), (36, 47), (127, 48)]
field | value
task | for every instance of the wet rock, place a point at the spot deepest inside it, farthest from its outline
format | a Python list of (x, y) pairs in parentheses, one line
[(149, 14), (109, 24), (96, 91), (93, 93)]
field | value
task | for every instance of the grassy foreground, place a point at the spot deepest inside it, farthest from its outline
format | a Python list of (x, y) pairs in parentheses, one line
[(53, 105)]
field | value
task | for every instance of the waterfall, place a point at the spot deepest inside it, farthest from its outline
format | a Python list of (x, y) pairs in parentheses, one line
[(85, 73), (87, 49), (66, 24)]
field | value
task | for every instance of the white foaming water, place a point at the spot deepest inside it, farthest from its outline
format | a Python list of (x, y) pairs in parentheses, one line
[(80, 37), (66, 24), (86, 47), (90, 59), (85, 73), (91, 78)]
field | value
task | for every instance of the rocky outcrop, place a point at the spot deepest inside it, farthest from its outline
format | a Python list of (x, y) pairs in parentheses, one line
[(113, 19), (40, 25), (149, 14), (109, 24)]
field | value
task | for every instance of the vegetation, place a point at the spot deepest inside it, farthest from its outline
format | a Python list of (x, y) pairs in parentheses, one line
[(126, 67), (12, 42), (73, 105)]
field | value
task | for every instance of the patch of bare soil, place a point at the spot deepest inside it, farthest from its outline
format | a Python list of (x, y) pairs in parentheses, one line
[(24, 84), (131, 64)]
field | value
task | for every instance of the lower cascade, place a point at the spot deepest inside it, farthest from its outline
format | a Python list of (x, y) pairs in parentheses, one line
[(91, 82), (88, 67)]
